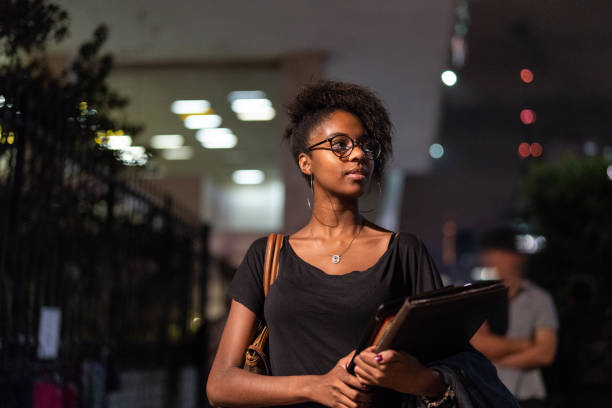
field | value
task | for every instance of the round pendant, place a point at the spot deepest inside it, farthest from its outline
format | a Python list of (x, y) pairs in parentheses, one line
[(335, 259)]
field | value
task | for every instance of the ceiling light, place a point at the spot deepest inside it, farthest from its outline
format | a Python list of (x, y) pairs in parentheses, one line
[(184, 107), (202, 121), (181, 153), (252, 109), (219, 138), (248, 176), (232, 96), (167, 141), (118, 142), (250, 105), (267, 113)]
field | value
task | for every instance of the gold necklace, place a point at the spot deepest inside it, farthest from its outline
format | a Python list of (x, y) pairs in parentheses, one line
[(336, 258)]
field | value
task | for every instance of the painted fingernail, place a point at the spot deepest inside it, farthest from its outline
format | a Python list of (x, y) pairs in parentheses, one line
[(378, 358)]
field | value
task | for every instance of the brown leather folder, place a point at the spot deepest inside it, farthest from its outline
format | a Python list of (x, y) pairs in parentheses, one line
[(434, 324)]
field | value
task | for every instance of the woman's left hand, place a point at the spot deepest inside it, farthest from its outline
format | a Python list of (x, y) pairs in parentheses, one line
[(398, 371)]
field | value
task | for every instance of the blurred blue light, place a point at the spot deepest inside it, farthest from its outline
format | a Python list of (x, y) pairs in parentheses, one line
[(436, 150)]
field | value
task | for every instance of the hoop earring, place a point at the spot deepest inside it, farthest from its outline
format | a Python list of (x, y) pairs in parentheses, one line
[(311, 189)]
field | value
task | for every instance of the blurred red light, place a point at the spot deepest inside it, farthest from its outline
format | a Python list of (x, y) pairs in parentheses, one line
[(524, 150), (526, 75), (536, 149), (528, 116)]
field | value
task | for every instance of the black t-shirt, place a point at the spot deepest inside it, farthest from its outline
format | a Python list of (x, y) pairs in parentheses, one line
[(315, 318)]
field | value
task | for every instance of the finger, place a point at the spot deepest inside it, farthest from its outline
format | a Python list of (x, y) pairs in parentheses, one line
[(366, 377), (364, 397), (387, 357), (353, 394), (368, 365), (346, 359), (366, 357), (352, 381), (345, 401)]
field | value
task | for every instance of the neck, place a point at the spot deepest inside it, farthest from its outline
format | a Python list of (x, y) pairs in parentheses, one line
[(514, 286), (333, 216)]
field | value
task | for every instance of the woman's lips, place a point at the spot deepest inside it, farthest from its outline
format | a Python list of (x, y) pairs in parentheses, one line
[(357, 174)]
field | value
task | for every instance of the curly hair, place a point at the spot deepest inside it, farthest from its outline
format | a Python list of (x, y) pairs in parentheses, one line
[(315, 102)]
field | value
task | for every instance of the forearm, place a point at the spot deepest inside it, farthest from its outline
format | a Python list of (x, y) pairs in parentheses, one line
[(495, 347), (540, 353), (532, 357), (239, 388)]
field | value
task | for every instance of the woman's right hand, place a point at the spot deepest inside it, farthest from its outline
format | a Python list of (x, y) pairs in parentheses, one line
[(340, 389)]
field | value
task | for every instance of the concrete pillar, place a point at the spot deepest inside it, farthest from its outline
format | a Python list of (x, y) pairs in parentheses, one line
[(296, 70)]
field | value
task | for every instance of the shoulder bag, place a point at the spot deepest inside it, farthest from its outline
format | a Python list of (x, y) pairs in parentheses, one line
[(256, 356)]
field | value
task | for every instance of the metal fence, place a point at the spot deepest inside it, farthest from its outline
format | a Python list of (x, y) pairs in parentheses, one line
[(124, 264)]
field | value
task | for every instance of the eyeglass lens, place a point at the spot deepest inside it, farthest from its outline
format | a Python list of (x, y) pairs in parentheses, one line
[(343, 146)]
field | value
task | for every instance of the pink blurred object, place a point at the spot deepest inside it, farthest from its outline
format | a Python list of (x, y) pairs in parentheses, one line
[(50, 395)]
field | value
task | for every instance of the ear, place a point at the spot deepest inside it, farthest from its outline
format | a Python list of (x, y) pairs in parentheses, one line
[(304, 161)]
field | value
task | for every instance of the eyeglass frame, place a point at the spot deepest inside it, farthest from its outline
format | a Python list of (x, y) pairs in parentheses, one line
[(353, 143)]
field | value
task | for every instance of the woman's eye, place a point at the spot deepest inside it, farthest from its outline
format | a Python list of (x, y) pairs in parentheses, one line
[(340, 145)]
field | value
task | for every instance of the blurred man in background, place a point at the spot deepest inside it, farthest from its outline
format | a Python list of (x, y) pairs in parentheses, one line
[(524, 338)]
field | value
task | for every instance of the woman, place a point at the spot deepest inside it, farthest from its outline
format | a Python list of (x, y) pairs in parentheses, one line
[(333, 274)]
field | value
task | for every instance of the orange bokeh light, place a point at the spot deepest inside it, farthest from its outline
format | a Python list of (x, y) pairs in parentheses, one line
[(526, 76), (524, 150), (528, 116)]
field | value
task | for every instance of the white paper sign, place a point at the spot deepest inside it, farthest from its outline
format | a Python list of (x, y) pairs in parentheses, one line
[(49, 332)]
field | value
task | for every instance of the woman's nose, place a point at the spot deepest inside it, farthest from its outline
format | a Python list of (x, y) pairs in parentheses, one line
[(357, 152)]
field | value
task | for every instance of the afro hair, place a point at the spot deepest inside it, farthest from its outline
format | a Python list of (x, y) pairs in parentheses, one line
[(317, 101)]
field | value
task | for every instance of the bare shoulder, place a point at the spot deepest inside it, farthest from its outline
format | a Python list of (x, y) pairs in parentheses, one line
[(372, 231)]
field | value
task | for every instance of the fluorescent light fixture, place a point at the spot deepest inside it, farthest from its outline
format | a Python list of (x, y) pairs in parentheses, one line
[(185, 107), (202, 121), (260, 115), (218, 138), (167, 141), (253, 109), (134, 156), (118, 142), (181, 153), (250, 105), (248, 176), (232, 96)]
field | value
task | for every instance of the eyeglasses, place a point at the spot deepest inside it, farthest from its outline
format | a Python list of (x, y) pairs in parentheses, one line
[(342, 146)]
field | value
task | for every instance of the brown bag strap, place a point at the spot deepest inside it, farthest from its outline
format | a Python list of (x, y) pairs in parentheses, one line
[(273, 247)]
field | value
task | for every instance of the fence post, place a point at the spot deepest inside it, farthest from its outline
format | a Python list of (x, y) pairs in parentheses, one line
[(8, 261)]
